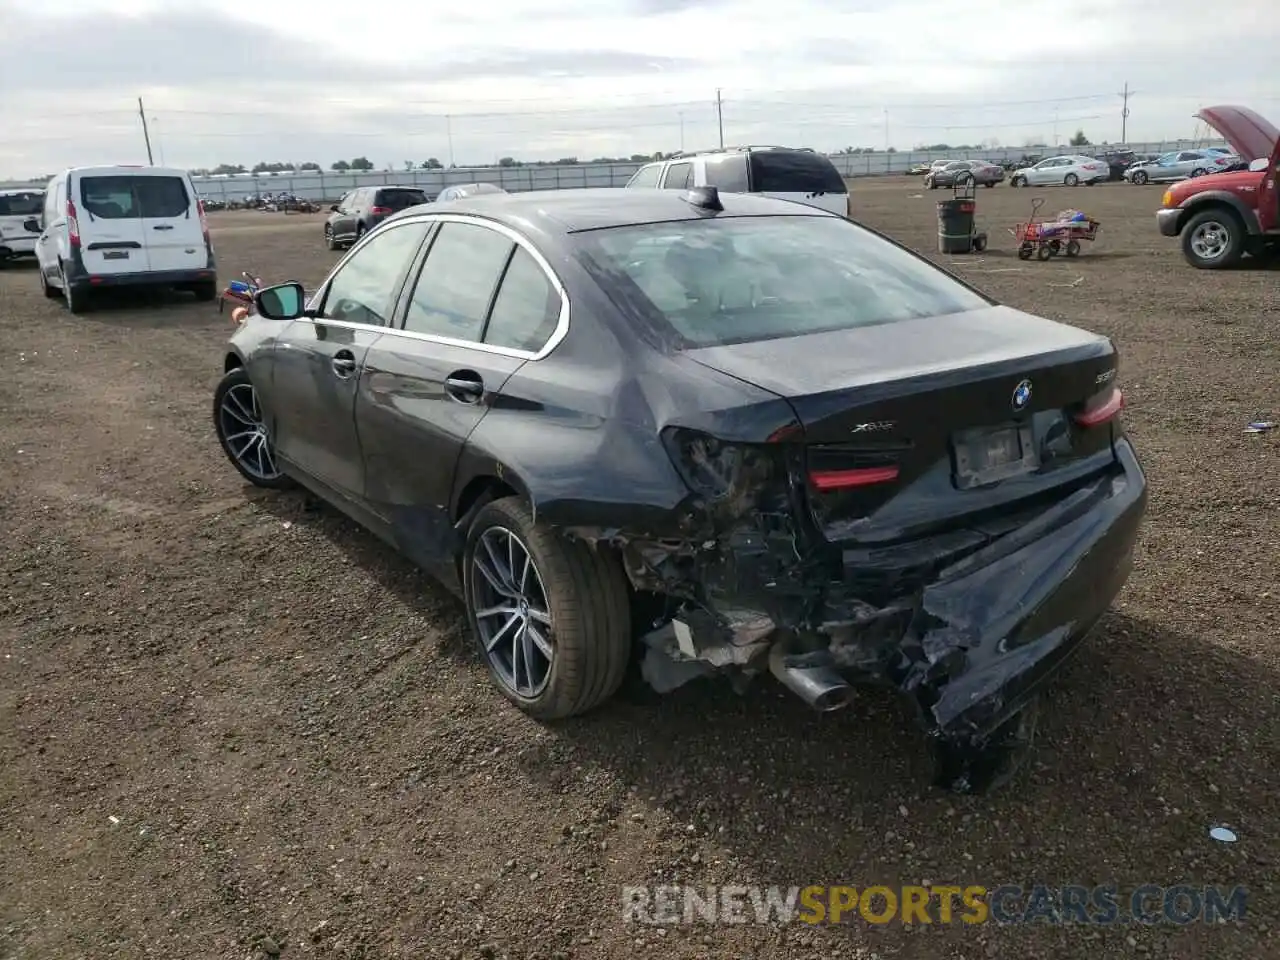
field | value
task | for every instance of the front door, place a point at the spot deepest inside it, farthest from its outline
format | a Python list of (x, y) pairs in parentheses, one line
[(318, 360), (482, 305)]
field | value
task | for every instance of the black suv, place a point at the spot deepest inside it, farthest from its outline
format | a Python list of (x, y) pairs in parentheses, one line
[(363, 209)]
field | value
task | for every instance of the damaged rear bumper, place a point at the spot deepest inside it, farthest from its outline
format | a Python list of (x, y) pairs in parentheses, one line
[(970, 643)]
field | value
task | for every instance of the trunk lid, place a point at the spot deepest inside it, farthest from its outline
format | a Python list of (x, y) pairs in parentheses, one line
[(1250, 134), (942, 416)]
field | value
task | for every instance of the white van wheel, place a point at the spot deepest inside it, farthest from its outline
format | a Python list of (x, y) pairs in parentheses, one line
[(77, 301), (50, 292)]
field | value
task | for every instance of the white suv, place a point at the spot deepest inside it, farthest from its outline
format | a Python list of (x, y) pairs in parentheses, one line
[(16, 208), (787, 173)]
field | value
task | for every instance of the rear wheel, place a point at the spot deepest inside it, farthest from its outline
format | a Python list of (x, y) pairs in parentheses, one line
[(1018, 182), (1213, 239), (1071, 180), (1044, 252), (1139, 177), (1073, 248), (1026, 251), (51, 292), (551, 615), (1199, 172), (206, 292), (77, 300)]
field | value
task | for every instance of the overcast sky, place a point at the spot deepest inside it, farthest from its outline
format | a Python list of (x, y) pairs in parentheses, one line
[(295, 81)]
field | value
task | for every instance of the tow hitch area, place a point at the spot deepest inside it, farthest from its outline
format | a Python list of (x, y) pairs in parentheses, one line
[(967, 622)]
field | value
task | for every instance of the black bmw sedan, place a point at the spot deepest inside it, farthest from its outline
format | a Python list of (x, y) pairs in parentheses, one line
[(686, 433)]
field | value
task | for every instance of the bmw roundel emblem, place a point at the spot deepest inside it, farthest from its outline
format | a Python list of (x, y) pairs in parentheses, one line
[(1022, 395)]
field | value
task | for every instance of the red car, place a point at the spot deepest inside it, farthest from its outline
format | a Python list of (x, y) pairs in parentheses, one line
[(1223, 216)]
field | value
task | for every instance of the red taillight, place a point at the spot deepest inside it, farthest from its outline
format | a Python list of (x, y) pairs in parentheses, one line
[(1101, 408), (73, 225), (828, 480), (381, 211), (1222, 161)]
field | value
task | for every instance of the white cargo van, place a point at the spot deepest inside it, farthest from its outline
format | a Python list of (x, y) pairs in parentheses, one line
[(17, 206), (123, 226)]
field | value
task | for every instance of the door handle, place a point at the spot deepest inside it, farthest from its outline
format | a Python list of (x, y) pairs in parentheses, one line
[(343, 364), (465, 386), (163, 226)]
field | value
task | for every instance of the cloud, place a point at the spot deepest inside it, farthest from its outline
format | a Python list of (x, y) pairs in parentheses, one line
[(295, 80)]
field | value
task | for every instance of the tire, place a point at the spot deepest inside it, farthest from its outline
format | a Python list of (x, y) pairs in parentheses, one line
[(1071, 180), (989, 184), (586, 600), (226, 426), (1044, 252), (77, 301), (1073, 248), (52, 293), (1026, 251), (1213, 239), (1199, 172), (206, 292), (329, 242), (1139, 178), (931, 184), (1018, 182)]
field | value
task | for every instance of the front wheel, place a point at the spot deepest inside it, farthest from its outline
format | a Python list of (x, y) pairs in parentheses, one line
[(329, 242), (241, 426), (1018, 182), (1139, 178), (1199, 172), (1213, 239), (1071, 180), (551, 615)]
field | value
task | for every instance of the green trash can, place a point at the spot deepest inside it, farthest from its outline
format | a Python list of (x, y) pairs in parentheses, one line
[(955, 225)]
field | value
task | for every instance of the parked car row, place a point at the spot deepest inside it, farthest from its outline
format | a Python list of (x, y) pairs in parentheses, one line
[(1182, 164), (362, 209)]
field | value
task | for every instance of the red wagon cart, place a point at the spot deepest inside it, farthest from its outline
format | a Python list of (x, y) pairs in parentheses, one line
[(1048, 238)]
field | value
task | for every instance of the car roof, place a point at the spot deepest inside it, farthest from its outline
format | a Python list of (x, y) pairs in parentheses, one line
[(571, 211)]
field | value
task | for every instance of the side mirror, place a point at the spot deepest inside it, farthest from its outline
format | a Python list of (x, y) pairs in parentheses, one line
[(1259, 165), (333, 208), (284, 301), (31, 225)]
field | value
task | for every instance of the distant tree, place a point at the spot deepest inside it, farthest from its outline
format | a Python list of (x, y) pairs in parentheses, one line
[(892, 150), (309, 165), (431, 163), (341, 166), (273, 167), (361, 163), (508, 162), (1080, 140), (228, 168)]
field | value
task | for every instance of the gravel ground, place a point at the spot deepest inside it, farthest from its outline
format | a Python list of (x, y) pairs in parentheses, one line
[(233, 726)]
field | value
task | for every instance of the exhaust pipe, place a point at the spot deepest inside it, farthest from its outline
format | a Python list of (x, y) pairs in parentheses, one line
[(820, 687)]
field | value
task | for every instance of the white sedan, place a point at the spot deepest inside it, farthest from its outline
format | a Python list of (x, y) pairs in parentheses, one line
[(1067, 170)]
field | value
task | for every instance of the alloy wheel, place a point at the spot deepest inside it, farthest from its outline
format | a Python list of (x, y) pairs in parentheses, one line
[(1210, 239), (512, 614), (245, 434)]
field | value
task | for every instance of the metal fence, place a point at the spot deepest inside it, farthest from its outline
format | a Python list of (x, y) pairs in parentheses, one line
[(330, 185)]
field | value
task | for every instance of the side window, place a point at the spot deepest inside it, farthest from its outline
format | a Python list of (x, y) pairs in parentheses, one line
[(345, 203), (646, 176), (728, 173), (51, 203), (60, 199), (364, 288), (527, 307), (679, 176), (452, 294)]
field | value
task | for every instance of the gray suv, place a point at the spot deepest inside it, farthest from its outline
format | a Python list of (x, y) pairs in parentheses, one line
[(363, 209)]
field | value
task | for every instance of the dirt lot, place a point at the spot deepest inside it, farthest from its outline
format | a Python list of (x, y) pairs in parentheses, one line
[(230, 725)]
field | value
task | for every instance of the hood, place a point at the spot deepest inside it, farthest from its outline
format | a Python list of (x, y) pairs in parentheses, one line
[(1250, 134)]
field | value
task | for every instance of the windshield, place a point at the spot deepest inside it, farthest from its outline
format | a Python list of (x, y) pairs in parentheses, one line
[(741, 279)]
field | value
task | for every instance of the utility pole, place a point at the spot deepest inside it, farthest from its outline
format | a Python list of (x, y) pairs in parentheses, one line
[(145, 135), (886, 129), (720, 116), (1055, 128), (448, 127), (1124, 115)]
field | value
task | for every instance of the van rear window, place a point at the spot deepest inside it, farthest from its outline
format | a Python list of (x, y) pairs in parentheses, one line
[(21, 204), (794, 171), (126, 197)]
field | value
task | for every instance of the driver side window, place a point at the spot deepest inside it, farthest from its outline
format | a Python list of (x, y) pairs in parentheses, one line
[(364, 288)]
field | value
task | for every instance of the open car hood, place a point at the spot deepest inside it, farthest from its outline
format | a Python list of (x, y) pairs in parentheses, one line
[(1250, 134)]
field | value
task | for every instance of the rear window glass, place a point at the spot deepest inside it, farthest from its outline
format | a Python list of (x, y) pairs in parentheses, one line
[(122, 198), (400, 199), (711, 282), (21, 204), (794, 171)]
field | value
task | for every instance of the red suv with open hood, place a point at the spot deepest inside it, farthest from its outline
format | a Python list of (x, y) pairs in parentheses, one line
[(1223, 216)]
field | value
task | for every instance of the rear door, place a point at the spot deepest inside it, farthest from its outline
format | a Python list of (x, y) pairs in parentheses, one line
[(800, 176), (170, 221), (16, 208), (113, 238)]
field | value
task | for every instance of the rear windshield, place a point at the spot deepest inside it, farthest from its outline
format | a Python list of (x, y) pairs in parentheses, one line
[(21, 204), (126, 197), (400, 199), (794, 171), (705, 283)]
